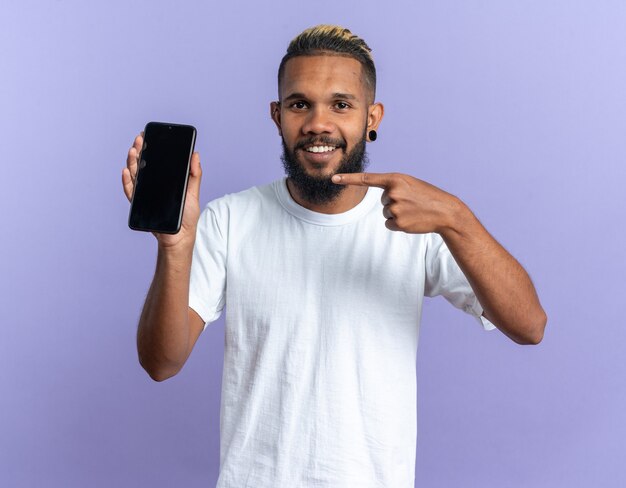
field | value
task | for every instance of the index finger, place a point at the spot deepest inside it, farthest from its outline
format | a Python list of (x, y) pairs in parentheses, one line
[(381, 180)]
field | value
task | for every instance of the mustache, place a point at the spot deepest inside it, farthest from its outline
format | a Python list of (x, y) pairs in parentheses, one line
[(323, 140)]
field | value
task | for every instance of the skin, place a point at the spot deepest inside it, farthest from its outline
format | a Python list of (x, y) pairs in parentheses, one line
[(168, 328), (327, 96), (502, 286), (309, 107)]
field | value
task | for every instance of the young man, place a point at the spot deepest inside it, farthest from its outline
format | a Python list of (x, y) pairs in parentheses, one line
[(323, 274)]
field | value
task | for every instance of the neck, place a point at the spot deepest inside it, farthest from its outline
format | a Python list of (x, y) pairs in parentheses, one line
[(349, 198)]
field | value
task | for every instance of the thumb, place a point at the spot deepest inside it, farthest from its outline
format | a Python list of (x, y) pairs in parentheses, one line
[(195, 175)]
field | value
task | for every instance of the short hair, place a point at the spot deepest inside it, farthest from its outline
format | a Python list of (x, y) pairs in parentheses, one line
[(332, 40)]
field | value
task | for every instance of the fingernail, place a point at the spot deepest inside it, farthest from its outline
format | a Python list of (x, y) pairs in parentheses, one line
[(336, 178)]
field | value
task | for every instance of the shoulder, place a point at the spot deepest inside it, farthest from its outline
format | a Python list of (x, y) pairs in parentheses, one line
[(253, 195), (245, 203)]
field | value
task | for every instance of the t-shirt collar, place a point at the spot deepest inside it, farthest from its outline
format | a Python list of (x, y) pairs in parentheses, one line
[(302, 213)]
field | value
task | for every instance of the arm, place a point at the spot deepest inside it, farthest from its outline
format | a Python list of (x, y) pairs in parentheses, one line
[(501, 285), (168, 328), (503, 288)]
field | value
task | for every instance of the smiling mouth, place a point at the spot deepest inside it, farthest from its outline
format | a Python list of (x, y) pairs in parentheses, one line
[(319, 149)]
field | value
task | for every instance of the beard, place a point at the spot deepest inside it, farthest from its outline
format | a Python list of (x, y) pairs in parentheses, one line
[(320, 190)]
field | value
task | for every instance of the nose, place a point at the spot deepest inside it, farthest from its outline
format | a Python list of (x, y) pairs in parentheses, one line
[(318, 121)]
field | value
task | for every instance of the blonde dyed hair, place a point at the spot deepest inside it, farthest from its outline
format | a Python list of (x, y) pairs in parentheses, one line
[(332, 40)]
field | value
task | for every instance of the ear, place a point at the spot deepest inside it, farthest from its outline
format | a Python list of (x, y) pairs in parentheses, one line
[(375, 114), (275, 115)]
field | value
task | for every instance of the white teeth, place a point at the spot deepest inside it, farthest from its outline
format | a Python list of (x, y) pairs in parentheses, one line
[(319, 149)]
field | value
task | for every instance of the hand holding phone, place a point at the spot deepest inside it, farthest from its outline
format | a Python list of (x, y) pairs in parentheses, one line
[(155, 200)]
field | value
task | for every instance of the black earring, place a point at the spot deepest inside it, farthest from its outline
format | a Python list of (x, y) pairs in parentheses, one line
[(372, 135)]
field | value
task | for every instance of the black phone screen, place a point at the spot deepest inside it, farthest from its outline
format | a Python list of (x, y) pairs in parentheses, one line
[(162, 174)]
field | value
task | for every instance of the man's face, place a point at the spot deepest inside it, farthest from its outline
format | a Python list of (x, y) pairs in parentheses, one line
[(323, 118)]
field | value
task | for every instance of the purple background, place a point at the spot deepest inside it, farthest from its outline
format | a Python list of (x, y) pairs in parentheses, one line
[(518, 108)]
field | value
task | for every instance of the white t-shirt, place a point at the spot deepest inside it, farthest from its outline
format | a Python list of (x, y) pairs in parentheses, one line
[(323, 313)]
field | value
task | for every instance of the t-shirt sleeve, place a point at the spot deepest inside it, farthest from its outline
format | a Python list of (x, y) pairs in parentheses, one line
[(445, 277), (207, 283)]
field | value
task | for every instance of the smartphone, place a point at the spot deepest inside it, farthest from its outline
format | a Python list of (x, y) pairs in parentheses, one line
[(162, 175)]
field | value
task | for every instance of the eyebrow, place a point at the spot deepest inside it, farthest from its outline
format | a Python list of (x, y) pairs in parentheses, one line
[(347, 96), (344, 95)]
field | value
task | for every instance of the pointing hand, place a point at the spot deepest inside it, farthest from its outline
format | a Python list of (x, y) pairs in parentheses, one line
[(409, 205)]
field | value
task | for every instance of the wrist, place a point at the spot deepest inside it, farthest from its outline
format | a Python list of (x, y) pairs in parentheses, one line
[(458, 217), (182, 249)]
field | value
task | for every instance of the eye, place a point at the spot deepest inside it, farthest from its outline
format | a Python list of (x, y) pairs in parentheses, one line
[(299, 105), (342, 105)]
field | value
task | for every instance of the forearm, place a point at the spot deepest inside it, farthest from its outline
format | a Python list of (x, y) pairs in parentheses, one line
[(163, 334), (500, 283)]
